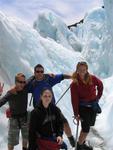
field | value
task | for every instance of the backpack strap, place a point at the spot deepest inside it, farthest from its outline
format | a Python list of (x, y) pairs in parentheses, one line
[(31, 100), (35, 84)]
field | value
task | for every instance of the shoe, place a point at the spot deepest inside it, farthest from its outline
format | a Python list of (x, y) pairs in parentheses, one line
[(79, 147), (64, 146), (24, 148), (86, 147), (72, 141)]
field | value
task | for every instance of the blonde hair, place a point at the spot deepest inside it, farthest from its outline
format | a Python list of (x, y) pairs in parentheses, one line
[(18, 75), (87, 78)]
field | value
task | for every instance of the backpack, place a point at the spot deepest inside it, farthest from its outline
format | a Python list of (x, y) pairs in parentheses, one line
[(8, 113)]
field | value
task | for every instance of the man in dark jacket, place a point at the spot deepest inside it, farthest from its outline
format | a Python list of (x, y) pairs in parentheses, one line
[(17, 112), (42, 81)]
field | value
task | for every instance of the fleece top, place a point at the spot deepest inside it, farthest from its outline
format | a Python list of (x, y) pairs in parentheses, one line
[(85, 92)]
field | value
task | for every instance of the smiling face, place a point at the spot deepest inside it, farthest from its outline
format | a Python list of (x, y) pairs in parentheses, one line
[(20, 82), (82, 70), (46, 98), (39, 73)]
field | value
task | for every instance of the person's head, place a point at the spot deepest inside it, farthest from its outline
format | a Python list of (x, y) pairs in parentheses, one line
[(20, 81), (82, 72), (46, 97), (82, 69), (39, 72)]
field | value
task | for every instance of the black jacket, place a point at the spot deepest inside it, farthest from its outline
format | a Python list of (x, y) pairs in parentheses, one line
[(44, 123)]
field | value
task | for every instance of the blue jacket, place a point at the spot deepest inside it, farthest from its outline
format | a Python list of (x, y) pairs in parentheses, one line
[(35, 87)]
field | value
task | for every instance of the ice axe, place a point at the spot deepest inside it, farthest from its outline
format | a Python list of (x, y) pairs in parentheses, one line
[(76, 137), (62, 95)]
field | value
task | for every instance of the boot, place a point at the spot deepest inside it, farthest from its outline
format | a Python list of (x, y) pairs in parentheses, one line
[(24, 148), (64, 146), (72, 141), (86, 147), (79, 147)]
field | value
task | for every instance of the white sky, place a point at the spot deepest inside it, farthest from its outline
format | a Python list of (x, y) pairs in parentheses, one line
[(70, 11)]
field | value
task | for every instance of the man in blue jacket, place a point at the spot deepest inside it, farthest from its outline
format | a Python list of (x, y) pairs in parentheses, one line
[(40, 81)]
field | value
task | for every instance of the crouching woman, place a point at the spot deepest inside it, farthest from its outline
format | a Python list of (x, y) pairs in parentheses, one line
[(46, 126)]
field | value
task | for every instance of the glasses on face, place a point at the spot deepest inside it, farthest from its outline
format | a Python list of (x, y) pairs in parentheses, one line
[(82, 63), (39, 71), (21, 82)]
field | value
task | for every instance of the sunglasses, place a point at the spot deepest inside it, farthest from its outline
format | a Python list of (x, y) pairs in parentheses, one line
[(82, 63), (21, 82), (39, 71)]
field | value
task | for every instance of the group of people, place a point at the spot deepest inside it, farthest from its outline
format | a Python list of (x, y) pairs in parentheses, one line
[(44, 130)]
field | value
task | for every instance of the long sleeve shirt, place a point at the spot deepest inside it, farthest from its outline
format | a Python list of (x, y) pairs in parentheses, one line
[(44, 122), (35, 87), (85, 92)]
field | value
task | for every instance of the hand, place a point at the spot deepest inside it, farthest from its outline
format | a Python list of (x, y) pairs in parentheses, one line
[(1, 88), (13, 90), (77, 119), (51, 75), (59, 140)]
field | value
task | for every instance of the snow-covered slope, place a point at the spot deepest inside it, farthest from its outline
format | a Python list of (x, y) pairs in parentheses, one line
[(22, 47)]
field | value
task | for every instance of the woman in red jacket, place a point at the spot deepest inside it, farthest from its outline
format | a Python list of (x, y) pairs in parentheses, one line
[(86, 90)]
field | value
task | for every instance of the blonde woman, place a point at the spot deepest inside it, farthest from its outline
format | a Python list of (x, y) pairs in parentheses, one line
[(86, 90)]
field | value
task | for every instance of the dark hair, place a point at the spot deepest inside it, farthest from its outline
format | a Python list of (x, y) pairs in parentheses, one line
[(19, 75), (38, 66), (43, 90)]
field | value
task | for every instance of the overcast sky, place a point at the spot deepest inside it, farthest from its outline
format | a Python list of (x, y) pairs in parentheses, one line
[(70, 11)]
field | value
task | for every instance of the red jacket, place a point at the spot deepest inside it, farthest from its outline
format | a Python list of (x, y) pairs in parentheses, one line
[(86, 93)]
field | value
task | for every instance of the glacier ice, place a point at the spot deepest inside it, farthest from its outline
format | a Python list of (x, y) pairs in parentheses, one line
[(22, 47), (95, 32), (50, 25)]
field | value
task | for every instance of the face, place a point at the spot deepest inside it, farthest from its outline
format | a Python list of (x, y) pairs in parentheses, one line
[(46, 98), (20, 83), (39, 73), (82, 70)]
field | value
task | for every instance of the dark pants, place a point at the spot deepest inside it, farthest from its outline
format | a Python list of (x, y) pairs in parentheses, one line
[(88, 117)]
